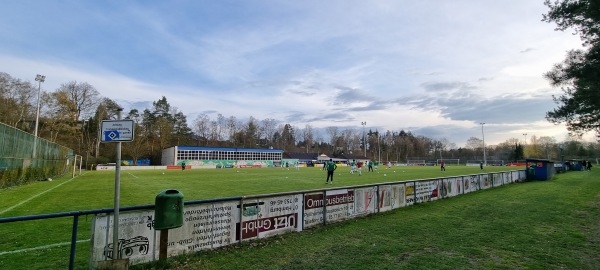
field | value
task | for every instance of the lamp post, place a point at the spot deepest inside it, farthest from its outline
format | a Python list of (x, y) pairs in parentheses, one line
[(40, 79), (483, 140), (364, 141)]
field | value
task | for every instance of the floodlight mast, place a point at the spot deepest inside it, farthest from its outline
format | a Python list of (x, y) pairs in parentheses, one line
[(40, 79), (483, 140), (525, 134), (364, 140)]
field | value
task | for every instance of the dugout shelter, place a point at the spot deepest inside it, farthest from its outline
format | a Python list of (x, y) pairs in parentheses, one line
[(539, 169)]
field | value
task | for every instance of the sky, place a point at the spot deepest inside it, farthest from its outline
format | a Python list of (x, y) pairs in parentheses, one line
[(432, 67)]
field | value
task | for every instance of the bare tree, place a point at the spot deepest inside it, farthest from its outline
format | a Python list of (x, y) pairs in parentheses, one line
[(232, 127), (269, 127), (202, 127), (83, 98), (308, 135), (221, 127), (333, 133), (17, 102), (548, 145)]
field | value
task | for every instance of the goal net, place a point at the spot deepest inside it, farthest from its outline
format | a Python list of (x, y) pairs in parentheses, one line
[(449, 161), (495, 163), (415, 162), (473, 162), (488, 162)]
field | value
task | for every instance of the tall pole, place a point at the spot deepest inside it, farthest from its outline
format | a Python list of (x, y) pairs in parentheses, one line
[(364, 140), (525, 134), (40, 79), (86, 142), (116, 254), (483, 140), (379, 146)]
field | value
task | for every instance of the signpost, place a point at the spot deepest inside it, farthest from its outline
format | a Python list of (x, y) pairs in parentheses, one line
[(116, 131)]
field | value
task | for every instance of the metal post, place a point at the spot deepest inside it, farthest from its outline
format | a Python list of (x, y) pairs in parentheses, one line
[(116, 253), (324, 207), (483, 140), (73, 242), (378, 198), (379, 146), (525, 134), (164, 242), (241, 215), (364, 139), (40, 79)]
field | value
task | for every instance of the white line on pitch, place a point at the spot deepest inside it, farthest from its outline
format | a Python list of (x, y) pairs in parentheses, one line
[(132, 175), (35, 196), (42, 247)]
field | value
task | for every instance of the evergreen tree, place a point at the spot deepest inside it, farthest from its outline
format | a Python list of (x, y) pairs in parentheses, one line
[(579, 74)]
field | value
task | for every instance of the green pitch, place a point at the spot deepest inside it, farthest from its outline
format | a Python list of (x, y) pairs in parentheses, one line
[(95, 189)]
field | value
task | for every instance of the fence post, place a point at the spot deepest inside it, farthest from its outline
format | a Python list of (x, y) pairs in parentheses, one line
[(415, 192), (73, 242), (241, 215), (303, 217), (324, 207), (378, 203)]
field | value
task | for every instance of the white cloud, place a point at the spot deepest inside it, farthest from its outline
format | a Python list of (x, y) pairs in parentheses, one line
[(439, 67)]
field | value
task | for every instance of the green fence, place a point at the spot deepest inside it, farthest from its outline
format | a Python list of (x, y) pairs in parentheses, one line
[(17, 164)]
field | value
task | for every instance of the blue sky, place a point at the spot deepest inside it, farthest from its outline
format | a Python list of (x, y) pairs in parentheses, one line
[(436, 68)]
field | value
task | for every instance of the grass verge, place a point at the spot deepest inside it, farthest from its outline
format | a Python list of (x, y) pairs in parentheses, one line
[(536, 225)]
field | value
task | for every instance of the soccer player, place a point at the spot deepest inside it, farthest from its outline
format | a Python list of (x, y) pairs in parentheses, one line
[(353, 166), (331, 167), (359, 166)]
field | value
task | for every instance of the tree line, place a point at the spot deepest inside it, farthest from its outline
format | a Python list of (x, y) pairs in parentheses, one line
[(72, 114)]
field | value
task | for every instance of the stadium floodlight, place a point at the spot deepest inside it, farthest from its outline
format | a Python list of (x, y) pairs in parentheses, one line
[(525, 134), (364, 140), (40, 79), (483, 140)]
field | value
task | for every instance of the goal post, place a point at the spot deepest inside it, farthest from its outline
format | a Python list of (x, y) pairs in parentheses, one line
[(449, 161), (474, 162), (415, 162), (492, 162)]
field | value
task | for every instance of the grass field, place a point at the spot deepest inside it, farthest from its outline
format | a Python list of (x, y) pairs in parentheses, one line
[(437, 227)]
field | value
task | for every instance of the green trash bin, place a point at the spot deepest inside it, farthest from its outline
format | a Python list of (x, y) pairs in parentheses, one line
[(168, 210)]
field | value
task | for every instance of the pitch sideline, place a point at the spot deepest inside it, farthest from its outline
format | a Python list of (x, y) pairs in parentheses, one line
[(36, 195), (41, 247)]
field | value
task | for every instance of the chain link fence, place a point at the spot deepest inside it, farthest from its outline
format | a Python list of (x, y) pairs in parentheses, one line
[(17, 162)]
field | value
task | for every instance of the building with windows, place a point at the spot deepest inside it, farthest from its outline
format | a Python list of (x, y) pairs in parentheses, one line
[(216, 157)]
